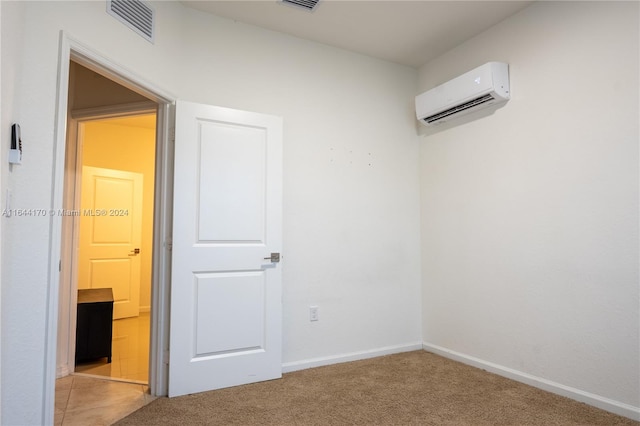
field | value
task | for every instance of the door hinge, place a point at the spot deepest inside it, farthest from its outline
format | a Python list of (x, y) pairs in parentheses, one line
[(172, 134), (168, 244), (166, 357)]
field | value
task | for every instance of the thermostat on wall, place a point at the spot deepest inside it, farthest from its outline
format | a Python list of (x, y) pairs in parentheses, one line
[(15, 152)]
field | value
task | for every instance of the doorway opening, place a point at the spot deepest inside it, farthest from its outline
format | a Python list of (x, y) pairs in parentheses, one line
[(143, 97), (116, 167), (107, 237)]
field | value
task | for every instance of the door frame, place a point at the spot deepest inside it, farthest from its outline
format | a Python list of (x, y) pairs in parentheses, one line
[(70, 227), (72, 49)]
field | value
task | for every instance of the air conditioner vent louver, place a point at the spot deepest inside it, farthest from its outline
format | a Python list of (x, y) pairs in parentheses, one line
[(458, 108), (484, 87), (304, 4), (135, 14)]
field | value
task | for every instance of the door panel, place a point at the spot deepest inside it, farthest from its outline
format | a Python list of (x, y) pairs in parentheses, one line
[(225, 297), (110, 231), (229, 297), (232, 163)]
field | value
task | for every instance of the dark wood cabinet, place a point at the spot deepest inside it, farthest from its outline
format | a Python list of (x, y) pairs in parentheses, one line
[(94, 324)]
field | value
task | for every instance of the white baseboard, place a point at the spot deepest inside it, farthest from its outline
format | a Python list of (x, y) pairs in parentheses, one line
[(288, 367), (610, 405), (62, 371)]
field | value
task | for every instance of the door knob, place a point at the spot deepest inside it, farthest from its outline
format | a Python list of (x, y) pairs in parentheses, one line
[(134, 252), (274, 258)]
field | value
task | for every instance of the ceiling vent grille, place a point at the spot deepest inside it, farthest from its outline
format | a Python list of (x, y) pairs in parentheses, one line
[(135, 14), (308, 5)]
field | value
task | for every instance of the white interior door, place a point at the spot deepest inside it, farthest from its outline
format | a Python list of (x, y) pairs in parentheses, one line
[(226, 307), (110, 234)]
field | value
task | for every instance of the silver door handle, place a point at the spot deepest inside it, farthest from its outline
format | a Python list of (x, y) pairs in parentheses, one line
[(274, 258)]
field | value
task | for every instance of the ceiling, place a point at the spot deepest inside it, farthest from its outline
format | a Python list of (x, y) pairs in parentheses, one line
[(406, 32)]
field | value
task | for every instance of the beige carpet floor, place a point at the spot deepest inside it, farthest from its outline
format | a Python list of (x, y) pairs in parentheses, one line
[(414, 388)]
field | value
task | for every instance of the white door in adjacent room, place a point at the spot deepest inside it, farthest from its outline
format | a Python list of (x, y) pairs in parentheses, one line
[(110, 236)]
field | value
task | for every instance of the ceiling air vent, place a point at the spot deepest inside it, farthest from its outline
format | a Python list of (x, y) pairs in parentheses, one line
[(308, 5), (135, 14)]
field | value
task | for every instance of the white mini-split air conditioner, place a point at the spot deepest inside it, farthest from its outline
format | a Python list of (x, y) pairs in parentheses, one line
[(483, 86)]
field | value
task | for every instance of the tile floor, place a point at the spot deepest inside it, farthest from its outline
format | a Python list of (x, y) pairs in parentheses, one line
[(129, 353), (84, 401), (100, 393)]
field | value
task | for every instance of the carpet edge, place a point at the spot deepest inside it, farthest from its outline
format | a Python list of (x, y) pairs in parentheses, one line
[(610, 405), (289, 367)]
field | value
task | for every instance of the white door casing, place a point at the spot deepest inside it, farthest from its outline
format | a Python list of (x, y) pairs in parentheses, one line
[(110, 233), (60, 252), (226, 306)]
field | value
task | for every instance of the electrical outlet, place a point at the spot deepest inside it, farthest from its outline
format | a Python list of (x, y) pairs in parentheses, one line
[(313, 313)]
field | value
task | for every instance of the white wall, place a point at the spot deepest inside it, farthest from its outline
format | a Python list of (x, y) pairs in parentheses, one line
[(1, 190), (351, 206), (530, 216), (12, 18)]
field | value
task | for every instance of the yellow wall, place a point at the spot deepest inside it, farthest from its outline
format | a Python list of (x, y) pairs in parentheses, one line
[(128, 144)]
